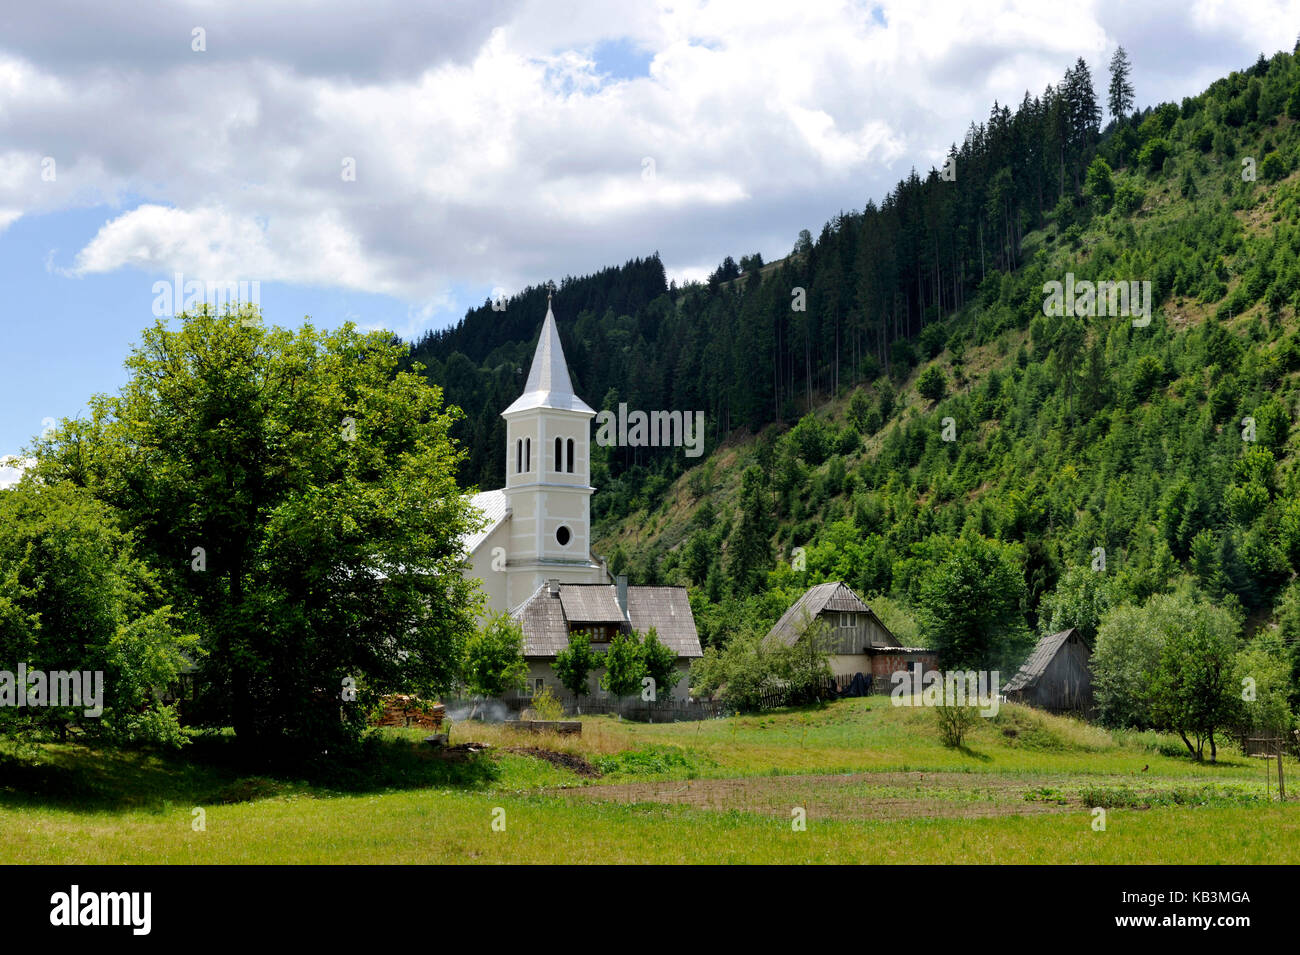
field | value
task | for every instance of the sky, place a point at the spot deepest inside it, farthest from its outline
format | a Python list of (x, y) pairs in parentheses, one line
[(393, 164)]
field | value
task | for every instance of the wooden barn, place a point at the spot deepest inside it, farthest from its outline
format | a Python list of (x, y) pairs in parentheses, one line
[(1057, 676), (861, 643)]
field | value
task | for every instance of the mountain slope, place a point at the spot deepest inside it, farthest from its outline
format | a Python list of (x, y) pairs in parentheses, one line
[(1069, 434)]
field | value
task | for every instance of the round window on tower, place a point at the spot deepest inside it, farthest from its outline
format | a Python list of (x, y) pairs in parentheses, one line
[(563, 535)]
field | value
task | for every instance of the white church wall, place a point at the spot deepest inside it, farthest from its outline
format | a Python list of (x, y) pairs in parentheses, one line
[(492, 580)]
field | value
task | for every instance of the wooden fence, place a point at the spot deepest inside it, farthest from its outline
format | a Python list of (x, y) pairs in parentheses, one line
[(1253, 743), (825, 689)]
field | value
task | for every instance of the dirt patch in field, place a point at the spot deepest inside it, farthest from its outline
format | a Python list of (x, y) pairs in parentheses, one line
[(855, 796), (564, 760)]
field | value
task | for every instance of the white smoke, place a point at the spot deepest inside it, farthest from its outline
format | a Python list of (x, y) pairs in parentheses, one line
[(485, 711)]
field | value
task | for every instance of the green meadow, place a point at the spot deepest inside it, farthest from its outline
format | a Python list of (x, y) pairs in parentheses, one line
[(852, 781)]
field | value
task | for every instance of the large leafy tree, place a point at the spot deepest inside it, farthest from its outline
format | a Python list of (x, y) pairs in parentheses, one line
[(624, 665), (660, 664), (1125, 657), (74, 597), (1081, 598), (970, 605), (295, 492), (494, 657), (1195, 690), (573, 664), (1170, 664), (740, 672), (1266, 664)]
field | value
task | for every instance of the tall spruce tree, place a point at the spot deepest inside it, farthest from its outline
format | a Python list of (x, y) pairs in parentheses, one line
[(1120, 99)]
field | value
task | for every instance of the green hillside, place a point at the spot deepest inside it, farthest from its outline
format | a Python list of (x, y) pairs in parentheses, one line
[(1068, 434)]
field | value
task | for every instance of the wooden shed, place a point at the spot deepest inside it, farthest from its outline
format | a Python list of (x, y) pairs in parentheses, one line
[(1057, 676), (860, 641)]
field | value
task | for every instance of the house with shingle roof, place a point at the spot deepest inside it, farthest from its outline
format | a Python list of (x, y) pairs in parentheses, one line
[(1057, 676), (532, 558), (556, 610), (860, 641)]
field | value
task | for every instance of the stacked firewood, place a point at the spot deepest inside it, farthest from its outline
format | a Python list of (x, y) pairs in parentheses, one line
[(399, 709)]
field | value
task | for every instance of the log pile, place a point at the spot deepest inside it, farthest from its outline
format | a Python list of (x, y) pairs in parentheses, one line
[(402, 710)]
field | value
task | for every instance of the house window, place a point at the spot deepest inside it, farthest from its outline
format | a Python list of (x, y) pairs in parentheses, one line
[(557, 457), (848, 620), (538, 685), (559, 444), (563, 535), (528, 454), (519, 456)]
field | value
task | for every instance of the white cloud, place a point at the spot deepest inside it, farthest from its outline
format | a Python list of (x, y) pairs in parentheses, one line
[(505, 153), (11, 469)]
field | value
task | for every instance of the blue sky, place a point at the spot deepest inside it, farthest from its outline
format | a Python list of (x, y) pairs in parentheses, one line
[(495, 143)]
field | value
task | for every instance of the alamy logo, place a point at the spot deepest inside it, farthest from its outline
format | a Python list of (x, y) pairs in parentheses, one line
[(56, 688), (1089, 299), (172, 298), (103, 908), (667, 429), (955, 688)]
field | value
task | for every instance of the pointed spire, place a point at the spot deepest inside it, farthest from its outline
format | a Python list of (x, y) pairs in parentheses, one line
[(549, 385)]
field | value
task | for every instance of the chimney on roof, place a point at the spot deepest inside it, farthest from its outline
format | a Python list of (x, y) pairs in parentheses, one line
[(553, 585), (620, 583)]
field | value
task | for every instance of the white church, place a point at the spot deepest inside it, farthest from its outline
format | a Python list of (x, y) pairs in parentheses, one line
[(533, 557)]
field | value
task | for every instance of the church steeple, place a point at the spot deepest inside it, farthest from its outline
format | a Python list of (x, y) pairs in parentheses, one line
[(548, 476), (549, 385)]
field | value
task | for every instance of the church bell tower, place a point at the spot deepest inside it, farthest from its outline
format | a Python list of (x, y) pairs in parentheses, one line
[(548, 476)]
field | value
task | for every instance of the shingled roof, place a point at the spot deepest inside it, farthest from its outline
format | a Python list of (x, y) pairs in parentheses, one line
[(1038, 661), (545, 617), (668, 610), (590, 603), (832, 596)]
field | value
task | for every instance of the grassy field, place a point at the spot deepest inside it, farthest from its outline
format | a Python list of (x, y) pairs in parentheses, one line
[(872, 781)]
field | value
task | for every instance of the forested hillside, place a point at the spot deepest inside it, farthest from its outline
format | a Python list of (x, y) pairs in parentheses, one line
[(923, 416), (744, 351)]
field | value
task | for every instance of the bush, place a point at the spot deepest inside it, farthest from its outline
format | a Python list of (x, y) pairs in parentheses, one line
[(545, 706), (1147, 377), (1098, 186), (1154, 154), (932, 384), (1273, 167), (1128, 198), (811, 439), (955, 722)]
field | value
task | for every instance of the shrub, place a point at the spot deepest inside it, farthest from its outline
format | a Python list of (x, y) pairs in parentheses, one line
[(955, 722), (1154, 154), (1128, 198), (932, 384), (1273, 167)]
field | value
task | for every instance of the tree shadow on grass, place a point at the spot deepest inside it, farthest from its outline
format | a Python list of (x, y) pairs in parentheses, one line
[(973, 754), (215, 770)]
